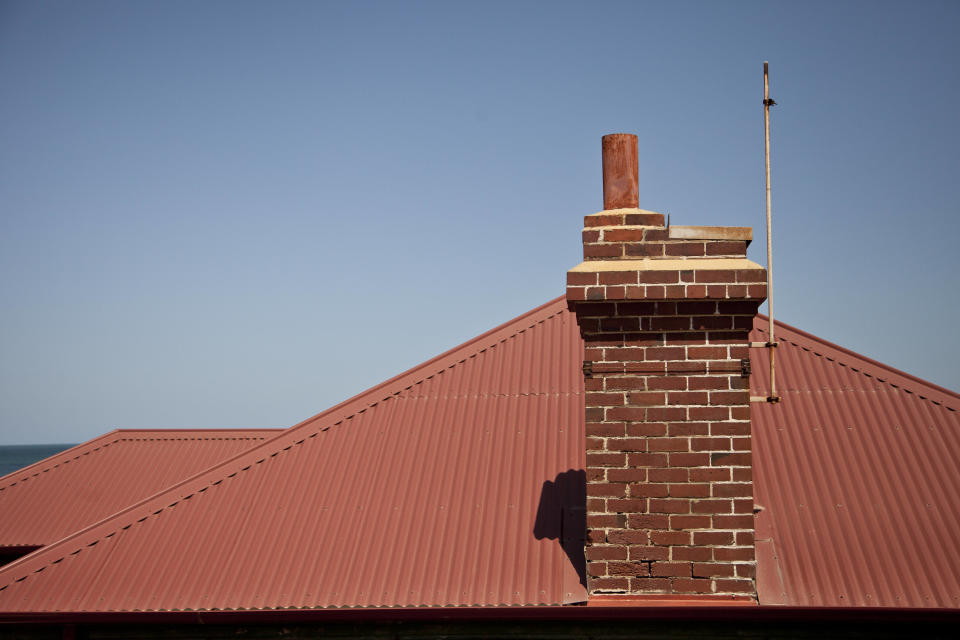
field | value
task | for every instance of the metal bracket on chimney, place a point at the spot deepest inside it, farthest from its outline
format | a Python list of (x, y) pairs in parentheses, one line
[(745, 368), (587, 369)]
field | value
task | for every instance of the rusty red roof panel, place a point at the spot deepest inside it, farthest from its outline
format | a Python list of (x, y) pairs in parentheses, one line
[(96, 479), (856, 470), (446, 486)]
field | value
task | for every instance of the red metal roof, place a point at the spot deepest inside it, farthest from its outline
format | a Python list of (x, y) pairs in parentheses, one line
[(444, 487), (96, 479), (857, 472), (423, 491)]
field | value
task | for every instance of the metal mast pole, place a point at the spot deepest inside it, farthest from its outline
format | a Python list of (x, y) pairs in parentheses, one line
[(772, 343)]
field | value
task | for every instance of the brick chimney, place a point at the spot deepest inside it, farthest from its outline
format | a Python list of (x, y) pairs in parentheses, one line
[(665, 314)]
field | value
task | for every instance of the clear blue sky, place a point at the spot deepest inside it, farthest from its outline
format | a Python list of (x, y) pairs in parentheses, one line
[(238, 214)]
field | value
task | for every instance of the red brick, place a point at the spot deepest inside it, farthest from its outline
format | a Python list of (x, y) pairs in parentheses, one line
[(622, 235), (691, 585), (627, 505), (640, 553), (729, 397), (713, 537), (649, 490), (605, 521), (710, 474), (616, 293), (575, 278), (712, 570), (658, 277), (627, 569), (666, 414), (686, 490), (691, 554), (709, 444), (602, 251), (669, 506), (730, 429), (596, 535), (688, 428), (668, 444), (626, 444), (632, 382), (628, 536), (685, 249), (609, 584), (606, 459), (604, 399), (627, 475), (665, 383), (687, 398), (648, 399), (709, 323), (590, 236), (752, 275), (618, 277), (689, 459), (736, 291), (730, 459), (743, 505), (647, 429), (596, 444), (727, 248), (644, 249), (715, 275), (742, 474), (732, 522), (679, 522), (604, 430), (709, 382), (668, 475), (745, 538), (649, 584), (648, 521), (735, 586), (666, 353), (648, 460), (607, 489), (647, 219), (708, 413), (710, 506), (670, 569), (723, 554), (738, 490), (603, 220)]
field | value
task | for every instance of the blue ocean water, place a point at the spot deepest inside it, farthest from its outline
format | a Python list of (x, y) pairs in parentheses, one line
[(17, 456)]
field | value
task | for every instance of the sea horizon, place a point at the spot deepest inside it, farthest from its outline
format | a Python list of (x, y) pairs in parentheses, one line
[(18, 456)]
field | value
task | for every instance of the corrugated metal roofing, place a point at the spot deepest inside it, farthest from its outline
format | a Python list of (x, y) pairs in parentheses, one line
[(442, 487), (857, 472), (423, 491), (96, 479)]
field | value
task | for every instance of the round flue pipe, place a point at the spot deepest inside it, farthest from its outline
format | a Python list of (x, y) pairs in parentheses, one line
[(620, 171)]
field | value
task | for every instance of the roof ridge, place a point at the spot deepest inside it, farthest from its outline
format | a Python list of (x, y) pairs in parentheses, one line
[(68, 455), (75, 452), (905, 381), (200, 482)]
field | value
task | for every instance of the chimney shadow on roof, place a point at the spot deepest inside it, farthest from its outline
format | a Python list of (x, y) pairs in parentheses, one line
[(562, 516)]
